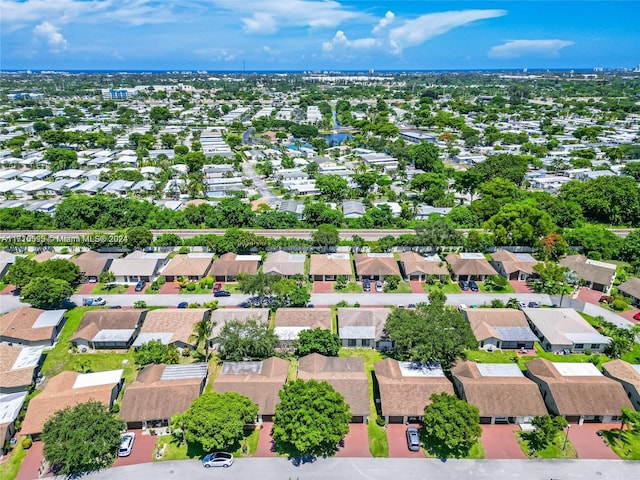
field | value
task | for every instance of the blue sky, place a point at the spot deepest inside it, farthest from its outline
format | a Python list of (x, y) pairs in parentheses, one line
[(317, 34)]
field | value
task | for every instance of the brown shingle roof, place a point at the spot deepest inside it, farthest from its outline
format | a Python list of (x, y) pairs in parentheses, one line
[(10, 377), (262, 388), (151, 398), (43, 256), (345, 374), (227, 265), (499, 396), (327, 264), (279, 262), (304, 317), (180, 321), (586, 270), (373, 265), (511, 263), (19, 324), (106, 319), (631, 287), (406, 395), (580, 395), (469, 266), (482, 321), (184, 265), (415, 263), (623, 371), (91, 267)]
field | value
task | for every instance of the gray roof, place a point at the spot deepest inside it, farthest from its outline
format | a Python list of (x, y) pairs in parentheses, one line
[(358, 332), (516, 334), (164, 337), (113, 335), (188, 370), (28, 357), (49, 318), (560, 326), (10, 406)]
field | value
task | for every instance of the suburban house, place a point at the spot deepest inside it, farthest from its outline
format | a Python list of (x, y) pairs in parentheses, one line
[(289, 322), (363, 327), (352, 209), (327, 267), (597, 275), (500, 328), (284, 264), (69, 389), (138, 266), (500, 391), (561, 329), (259, 381), (631, 288), (513, 266), (345, 374), (220, 317), (18, 367), (578, 391), (470, 266), (406, 388), (416, 267), (6, 260), (191, 266), (31, 326), (172, 326), (375, 266), (91, 265), (229, 265), (628, 375), (10, 406), (107, 329), (44, 256), (159, 392)]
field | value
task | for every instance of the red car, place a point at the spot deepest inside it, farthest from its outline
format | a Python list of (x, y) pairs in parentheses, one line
[(217, 287), (636, 316)]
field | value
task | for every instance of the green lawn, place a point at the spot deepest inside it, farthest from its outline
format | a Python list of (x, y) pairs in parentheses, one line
[(351, 287), (378, 443), (553, 450), (176, 450), (507, 289), (481, 356), (197, 290), (448, 287), (115, 289), (232, 287), (56, 358), (9, 469), (627, 447), (403, 287)]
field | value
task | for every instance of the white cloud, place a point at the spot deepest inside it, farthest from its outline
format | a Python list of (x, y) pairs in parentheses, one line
[(521, 48), (52, 35), (260, 23), (388, 18), (416, 31), (340, 40), (217, 54)]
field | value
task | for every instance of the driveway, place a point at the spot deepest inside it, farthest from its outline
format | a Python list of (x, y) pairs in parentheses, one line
[(589, 296), (169, 288), (521, 287), (499, 441), (323, 287), (265, 441), (32, 464), (85, 288), (356, 443), (397, 438), (588, 444), (416, 286), (142, 451), (628, 314)]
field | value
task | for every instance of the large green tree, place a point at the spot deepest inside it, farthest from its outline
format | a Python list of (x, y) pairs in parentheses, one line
[(216, 421), (61, 159), (154, 351), (450, 426), (249, 340), (519, 224), (45, 293), (325, 236), (311, 418), (318, 340), (426, 156), (81, 439), (332, 187)]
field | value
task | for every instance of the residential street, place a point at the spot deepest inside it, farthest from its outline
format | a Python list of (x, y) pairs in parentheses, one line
[(380, 469), (260, 185)]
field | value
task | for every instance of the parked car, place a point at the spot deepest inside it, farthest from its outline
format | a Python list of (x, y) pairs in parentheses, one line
[(222, 293), (464, 285), (534, 305), (379, 286), (473, 286), (366, 285), (126, 444), (522, 305), (140, 285), (93, 302), (217, 287), (183, 304), (217, 459), (309, 305), (636, 316), (413, 439)]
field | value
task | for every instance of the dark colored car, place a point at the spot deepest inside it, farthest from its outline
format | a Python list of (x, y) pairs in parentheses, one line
[(140, 285), (222, 293), (183, 304), (217, 287), (533, 305), (464, 285), (473, 286), (413, 439), (366, 285)]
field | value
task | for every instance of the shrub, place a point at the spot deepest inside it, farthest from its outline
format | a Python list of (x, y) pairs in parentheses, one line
[(191, 287), (161, 280), (184, 250), (26, 442), (618, 305), (115, 408), (380, 421), (140, 304)]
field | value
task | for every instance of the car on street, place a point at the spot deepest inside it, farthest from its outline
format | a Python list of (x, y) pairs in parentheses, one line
[(217, 459), (183, 304), (413, 439), (464, 285), (126, 444), (473, 286), (217, 287), (140, 286), (636, 316), (93, 302), (366, 285), (534, 305), (379, 286), (522, 305), (222, 293)]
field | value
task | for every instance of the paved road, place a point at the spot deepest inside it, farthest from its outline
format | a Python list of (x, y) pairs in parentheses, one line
[(260, 185), (380, 469)]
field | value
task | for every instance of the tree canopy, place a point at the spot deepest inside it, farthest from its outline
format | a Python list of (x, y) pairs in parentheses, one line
[(311, 418), (318, 340), (154, 351), (250, 340), (81, 439), (45, 293)]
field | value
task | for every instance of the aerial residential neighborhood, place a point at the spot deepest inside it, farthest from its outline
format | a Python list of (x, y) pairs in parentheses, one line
[(217, 268)]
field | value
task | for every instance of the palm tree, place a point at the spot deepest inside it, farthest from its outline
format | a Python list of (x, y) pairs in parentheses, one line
[(201, 332)]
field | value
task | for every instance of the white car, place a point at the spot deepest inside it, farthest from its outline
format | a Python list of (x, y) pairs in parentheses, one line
[(126, 444), (217, 459)]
